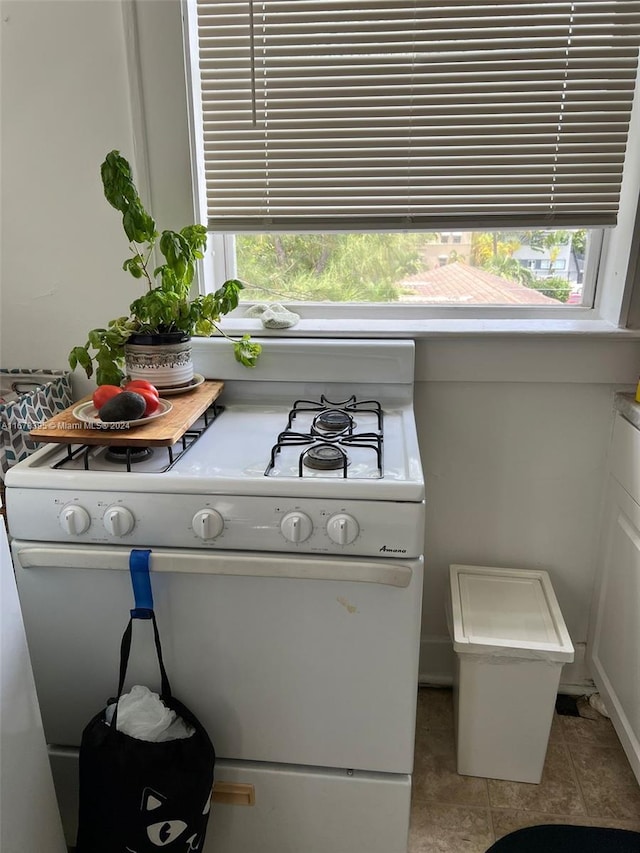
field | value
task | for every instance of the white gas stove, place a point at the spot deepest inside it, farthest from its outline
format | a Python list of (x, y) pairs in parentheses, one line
[(315, 466), (286, 565)]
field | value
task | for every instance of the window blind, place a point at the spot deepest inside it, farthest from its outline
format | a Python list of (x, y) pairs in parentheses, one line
[(326, 115)]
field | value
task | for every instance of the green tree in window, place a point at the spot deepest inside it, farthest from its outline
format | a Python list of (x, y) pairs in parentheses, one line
[(327, 267), (555, 286)]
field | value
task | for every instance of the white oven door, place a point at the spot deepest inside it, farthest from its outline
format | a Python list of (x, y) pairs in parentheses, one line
[(295, 660)]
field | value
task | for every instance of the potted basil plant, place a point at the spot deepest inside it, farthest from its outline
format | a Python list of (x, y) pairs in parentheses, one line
[(154, 341)]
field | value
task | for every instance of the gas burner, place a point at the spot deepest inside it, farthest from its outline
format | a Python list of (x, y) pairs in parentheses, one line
[(332, 448), (333, 422), (324, 457), (128, 455), (344, 408)]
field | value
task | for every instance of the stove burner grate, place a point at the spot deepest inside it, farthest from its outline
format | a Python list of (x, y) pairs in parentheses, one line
[(331, 435), (324, 406), (128, 456)]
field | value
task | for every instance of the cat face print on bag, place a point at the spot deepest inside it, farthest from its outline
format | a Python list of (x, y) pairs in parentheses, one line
[(165, 831)]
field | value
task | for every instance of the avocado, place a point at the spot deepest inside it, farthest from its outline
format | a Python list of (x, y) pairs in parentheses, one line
[(126, 406)]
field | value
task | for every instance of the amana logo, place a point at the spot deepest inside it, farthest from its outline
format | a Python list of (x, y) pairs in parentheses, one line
[(393, 550)]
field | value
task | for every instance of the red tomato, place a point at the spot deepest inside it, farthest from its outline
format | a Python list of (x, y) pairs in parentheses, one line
[(140, 383), (104, 393), (150, 398), (146, 390)]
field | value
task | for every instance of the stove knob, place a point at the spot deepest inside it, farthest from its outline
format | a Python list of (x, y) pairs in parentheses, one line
[(118, 521), (342, 528), (207, 524), (74, 519), (296, 527)]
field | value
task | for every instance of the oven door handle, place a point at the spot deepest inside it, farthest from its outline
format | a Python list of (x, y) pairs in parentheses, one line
[(306, 567)]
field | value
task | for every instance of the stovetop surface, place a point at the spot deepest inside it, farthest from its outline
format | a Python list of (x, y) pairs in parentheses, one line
[(233, 456)]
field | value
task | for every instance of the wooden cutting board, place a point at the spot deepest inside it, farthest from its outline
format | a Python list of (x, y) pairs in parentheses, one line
[(64, 428)]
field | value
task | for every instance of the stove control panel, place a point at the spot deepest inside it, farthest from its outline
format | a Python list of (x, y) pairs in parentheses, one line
[(354, 527)]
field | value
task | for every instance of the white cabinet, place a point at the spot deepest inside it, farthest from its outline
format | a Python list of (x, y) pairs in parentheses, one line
[(614, 641)]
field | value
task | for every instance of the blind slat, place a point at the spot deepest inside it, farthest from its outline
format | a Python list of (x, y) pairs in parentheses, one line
[(319, 116)]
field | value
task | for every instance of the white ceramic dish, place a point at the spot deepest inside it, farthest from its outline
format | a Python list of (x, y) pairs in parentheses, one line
[(172, 392), (88, 413)]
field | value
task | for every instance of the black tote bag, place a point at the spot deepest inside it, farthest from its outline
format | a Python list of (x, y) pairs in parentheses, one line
[(142, 797)]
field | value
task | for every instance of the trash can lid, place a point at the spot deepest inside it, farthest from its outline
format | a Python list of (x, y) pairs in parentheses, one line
[(507, 613)]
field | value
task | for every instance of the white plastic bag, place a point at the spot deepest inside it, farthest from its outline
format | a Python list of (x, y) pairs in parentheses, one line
[(143, 715)]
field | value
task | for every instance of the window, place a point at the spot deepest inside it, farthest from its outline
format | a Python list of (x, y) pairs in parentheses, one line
[(371, 127), (477, 268)]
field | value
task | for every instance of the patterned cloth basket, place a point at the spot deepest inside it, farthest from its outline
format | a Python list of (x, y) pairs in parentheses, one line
[(28, 398)]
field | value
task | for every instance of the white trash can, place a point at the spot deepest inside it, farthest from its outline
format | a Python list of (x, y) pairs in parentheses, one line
[(510, 642)]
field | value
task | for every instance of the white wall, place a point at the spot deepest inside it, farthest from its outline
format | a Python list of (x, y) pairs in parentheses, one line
[(513, 431), (65, 103), (514, 439)]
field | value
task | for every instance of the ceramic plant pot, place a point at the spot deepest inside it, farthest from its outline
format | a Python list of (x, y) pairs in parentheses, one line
[(162, 359)]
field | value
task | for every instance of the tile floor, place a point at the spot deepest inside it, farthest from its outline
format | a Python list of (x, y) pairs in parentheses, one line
[(586, 780)]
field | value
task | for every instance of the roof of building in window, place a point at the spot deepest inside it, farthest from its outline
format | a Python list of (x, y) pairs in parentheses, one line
[(460, 284)]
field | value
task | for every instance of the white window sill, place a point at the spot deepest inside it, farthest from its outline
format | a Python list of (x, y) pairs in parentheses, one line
[(560, 350), (432, 328)]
